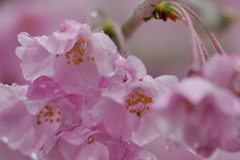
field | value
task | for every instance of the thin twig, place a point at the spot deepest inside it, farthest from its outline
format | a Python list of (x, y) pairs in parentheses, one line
[(122, 46)]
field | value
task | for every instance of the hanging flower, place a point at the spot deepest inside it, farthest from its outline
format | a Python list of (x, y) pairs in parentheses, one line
[(197, 102), (224, 71)]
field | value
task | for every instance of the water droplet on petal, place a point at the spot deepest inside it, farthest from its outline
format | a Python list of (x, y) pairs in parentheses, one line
[(14, 84), (33, 156), (172, 148), (4, 139), (171, 145)]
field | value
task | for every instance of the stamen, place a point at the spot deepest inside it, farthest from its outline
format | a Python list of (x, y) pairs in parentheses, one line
[(48, 114), (137, 101), (90, 140), (79, 53)]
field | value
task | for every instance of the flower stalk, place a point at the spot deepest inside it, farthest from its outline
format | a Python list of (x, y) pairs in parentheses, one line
[(211, 36), (175, 11)]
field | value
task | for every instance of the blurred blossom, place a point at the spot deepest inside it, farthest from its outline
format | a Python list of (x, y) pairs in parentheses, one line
[(230, 36)]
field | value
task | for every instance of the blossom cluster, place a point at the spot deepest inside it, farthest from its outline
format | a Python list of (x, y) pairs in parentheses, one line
[(85, 101)]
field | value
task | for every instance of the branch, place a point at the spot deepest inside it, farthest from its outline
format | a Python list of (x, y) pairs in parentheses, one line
[(144, 11), (141, 14)]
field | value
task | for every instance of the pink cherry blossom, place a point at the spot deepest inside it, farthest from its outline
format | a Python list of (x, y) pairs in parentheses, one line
[(83, 143), (85, 101), (224, 71), (46, 100), (36, 18), (14, 119), (197, 102), (130, 108), (49, 110), (128, 70), (73, 55)]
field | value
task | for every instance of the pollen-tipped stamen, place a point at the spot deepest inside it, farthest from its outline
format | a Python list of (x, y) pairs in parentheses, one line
[(137, 101)]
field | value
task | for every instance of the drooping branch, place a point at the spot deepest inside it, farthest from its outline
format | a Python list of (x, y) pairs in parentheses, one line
[(144, 12)]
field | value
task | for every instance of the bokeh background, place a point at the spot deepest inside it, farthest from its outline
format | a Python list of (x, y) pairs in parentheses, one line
[(162, 46)]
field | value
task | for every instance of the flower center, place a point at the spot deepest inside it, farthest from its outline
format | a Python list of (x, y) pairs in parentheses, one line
[(138, 101), (90, 140), (78, 53), (48, 114)]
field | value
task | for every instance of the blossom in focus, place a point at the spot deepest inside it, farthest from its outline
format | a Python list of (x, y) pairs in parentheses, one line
[(38, 116), (85, 143), (75, 78), (130, 107), (73, 55)]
